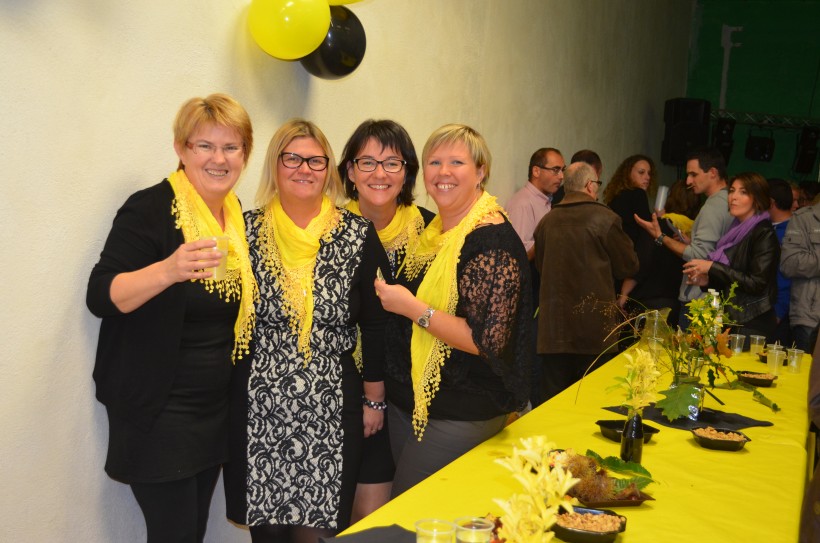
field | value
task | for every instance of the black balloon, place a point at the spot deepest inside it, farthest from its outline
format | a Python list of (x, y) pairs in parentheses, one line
[(343, 48)]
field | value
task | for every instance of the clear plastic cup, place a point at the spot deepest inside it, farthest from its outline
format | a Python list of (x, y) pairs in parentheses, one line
[(221, 270), (660, 197), (795, 358), (473, 530), (774, 359), (737, 342), (756, 344), (433, 530)]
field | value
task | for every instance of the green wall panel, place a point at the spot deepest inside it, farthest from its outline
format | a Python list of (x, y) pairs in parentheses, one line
[(773, 71)]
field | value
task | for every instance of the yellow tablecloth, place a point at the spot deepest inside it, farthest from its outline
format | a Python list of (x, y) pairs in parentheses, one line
[(753, 495)]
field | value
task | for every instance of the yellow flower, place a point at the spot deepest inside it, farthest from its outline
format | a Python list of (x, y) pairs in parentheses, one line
[(641, 380), (528, 517)]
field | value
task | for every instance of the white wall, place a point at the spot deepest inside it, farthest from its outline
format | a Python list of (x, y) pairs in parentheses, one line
[(89, 89)]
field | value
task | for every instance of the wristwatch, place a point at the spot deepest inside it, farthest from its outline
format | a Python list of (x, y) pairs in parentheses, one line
[(424, 320), (659, 240)]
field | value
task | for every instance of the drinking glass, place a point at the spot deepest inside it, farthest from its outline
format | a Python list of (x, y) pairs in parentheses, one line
[(795, 357), (432, 530), (774, 359), (221, 269), (473, 530), (756, 344), (737, 342)]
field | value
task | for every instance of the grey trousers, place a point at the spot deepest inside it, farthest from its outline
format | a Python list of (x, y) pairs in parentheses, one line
[(443, 442)]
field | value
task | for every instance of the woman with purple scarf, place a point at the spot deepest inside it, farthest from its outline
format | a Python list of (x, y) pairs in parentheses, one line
[(748, 253)]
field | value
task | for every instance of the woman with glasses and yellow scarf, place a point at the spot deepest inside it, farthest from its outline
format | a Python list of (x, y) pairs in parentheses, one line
[(298, 422), (458, 347), (378, 169), (176, 313)]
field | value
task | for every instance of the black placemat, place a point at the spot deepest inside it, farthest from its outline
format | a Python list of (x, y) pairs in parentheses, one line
[(380, 534), (707, 417)]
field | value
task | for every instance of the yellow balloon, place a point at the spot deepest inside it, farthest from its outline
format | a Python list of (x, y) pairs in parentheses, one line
[(289, 29), (341, 2)]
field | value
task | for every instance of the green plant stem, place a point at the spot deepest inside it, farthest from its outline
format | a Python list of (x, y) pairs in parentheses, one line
[(709, 392)]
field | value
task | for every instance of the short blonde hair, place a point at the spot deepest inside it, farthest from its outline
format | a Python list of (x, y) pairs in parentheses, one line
[(296, 128), (219, 109), (461, 133)]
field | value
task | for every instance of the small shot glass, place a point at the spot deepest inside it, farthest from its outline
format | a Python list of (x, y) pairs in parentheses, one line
[(433, 530)]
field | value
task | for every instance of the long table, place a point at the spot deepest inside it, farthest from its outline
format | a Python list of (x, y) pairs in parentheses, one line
[(700, 495)]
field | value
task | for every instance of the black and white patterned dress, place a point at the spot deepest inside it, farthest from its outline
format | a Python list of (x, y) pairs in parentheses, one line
[(296, 428)]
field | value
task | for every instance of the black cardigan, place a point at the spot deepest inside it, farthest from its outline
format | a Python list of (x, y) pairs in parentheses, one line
[(753, 264), (137, 352)]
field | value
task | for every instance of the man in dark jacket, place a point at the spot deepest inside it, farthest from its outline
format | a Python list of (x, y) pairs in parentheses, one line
[(580, 249)]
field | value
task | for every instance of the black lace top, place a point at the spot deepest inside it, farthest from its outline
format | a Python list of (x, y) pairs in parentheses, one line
[(494, 298)]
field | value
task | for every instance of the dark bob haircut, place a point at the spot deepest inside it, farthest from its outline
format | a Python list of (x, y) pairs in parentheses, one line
[(391, 135)]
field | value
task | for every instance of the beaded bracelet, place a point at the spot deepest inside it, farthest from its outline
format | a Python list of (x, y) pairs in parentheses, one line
[(378, 406)]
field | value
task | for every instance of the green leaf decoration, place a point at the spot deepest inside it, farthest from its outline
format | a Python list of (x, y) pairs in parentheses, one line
[(634, 472), (710, 376), (757, 395), (678, 401)]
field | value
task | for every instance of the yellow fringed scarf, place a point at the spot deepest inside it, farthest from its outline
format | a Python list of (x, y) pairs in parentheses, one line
[(438, 252), (404, 228), (197, 222), (290, 254), (403, 231)]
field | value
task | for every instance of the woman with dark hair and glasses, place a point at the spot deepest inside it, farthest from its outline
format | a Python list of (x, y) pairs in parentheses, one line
[(298, 421), (747, 254), (378, 169)]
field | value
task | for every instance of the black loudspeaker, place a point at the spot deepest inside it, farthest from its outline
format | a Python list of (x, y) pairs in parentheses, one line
[(687, 127), (760, 148), (806, 150), (722, 137)]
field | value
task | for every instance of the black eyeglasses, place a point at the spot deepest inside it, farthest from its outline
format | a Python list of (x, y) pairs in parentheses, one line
[(596, 181), (554, 169), (293, 161), (390, 165)]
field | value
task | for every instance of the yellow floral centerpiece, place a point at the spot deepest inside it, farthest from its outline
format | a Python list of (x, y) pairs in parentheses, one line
[(528, 516), (703, 346)]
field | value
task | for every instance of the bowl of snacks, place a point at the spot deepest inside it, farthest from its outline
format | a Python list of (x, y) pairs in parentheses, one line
[(756, 378), (586, 525), (614, 429), (720, 439)]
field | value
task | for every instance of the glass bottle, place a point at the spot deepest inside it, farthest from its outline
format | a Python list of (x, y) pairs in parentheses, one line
[(632, 439)]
